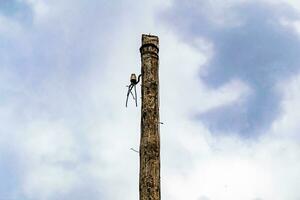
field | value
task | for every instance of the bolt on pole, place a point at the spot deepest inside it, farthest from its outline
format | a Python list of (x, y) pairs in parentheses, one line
[(149, 180)]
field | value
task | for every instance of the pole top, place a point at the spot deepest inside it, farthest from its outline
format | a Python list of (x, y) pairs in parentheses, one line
[(150, 39), (149, 44)]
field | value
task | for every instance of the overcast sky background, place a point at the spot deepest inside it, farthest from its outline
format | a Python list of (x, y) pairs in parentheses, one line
[(229, 98)]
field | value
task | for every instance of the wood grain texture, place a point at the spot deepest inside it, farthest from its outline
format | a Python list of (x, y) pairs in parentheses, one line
[(150, 140)]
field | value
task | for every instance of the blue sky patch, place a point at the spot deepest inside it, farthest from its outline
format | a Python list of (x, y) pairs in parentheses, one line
[(253, 47)]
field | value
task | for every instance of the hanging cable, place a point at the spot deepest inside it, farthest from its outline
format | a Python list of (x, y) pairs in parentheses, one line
[(133, 82)]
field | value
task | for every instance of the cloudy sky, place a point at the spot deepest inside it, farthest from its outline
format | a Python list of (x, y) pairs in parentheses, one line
[(229, 98)]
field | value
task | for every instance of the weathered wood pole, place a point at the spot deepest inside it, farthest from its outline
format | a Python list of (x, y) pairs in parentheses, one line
[(150, 142)]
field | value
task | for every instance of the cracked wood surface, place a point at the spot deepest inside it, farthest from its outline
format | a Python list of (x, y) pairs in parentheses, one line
[(150, 141)]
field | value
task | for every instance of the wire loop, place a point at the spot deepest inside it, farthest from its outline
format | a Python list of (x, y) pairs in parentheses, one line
[(133, 83)]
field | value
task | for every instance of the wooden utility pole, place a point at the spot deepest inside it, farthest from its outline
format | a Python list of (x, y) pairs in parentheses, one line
[(150, 141)]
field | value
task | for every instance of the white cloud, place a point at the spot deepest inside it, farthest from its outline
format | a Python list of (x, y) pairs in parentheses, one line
[(267, 170), (46, 181), (287, 124), (77, 132), (9, 27), (47, 148)]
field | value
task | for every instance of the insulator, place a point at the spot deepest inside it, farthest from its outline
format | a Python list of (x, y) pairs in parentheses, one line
[(133, 79)]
